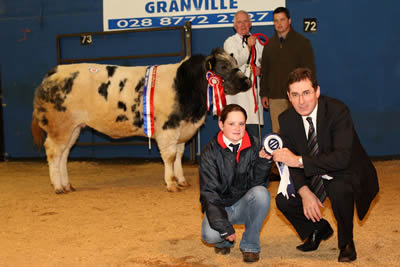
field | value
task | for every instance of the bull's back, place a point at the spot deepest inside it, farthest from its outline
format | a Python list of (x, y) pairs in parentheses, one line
[(105, 97)]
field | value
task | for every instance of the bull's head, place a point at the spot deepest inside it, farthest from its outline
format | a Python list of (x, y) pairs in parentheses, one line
[(224, 65)]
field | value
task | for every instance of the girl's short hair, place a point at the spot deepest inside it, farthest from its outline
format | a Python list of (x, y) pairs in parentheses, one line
[(230, 108)]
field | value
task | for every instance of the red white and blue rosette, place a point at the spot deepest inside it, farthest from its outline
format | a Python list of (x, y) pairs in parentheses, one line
[(215, 93)]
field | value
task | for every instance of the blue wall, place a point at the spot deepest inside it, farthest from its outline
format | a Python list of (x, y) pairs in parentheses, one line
[(356, 49)]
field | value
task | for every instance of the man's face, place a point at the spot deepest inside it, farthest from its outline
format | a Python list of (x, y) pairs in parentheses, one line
[(242, 24), (282, 23), (303, 97), (234, 126)]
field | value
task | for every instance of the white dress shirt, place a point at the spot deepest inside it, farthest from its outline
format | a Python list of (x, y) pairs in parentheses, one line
[(228, 142)]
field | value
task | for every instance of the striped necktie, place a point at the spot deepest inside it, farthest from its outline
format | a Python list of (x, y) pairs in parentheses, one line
[(317, 185)]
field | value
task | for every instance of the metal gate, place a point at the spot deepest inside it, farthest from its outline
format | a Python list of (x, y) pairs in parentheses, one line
[(67, 42)]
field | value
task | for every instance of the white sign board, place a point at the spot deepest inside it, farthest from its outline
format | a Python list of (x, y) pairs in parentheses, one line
[(137, 14)]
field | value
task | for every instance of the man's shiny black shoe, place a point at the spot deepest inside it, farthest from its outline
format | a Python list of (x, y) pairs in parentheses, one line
[(312, 242), (223, 251), (348, 253)]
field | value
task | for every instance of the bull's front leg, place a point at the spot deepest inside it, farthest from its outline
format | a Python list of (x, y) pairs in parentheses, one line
[(178, 170)]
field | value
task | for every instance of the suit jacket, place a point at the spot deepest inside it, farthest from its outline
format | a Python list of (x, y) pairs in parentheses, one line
[(341, 154)]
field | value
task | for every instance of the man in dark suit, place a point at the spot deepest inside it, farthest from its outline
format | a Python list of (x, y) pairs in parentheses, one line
[(325, 158)]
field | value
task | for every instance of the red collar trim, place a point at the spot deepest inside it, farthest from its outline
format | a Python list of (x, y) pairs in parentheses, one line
[(245, 143)]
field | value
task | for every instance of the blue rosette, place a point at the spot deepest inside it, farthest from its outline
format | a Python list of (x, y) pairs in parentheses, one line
[(271, 142)]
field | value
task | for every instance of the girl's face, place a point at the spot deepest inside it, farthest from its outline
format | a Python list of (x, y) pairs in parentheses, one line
[(234, 126)]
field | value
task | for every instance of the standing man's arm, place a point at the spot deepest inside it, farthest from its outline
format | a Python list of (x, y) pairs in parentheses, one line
[(259, 50)]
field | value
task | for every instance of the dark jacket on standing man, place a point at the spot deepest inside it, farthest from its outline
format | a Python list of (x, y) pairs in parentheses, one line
[(280, 58)]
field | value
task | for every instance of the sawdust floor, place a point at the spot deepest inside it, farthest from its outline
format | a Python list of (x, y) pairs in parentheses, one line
[(122, 215)]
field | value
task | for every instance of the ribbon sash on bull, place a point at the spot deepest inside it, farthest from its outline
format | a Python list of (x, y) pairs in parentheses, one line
[(215, 93), (148, 105), (272, 142)]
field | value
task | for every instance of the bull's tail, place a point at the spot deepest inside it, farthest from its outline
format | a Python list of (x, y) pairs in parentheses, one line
[(37, 133)]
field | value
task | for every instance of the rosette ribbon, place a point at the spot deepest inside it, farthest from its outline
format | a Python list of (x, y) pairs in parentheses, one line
[(272, 142), (215, 93)]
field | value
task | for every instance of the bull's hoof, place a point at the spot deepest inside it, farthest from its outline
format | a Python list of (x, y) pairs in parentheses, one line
[(69, 188), (184, 184), (65, 190), (59, 191), (173, 188)]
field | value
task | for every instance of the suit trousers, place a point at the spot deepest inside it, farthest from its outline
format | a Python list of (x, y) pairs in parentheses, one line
[(276, 107), (340, 194)]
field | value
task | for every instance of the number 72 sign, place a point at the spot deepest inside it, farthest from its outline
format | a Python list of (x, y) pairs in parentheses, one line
[(310, 25)]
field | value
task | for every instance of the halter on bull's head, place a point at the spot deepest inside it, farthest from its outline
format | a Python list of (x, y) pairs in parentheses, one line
[(224, 65)]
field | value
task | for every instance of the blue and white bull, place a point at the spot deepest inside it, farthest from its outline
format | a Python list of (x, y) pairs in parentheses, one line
[(109, 99)]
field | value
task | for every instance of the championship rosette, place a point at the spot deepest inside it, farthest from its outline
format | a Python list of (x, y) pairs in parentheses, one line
[(272, 142)]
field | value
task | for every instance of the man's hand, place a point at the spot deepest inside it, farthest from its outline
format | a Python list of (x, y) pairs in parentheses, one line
[(311, 204), (251, 41), (257, 71), (231, 238), (263, 154), (286, 156), (265, 102)]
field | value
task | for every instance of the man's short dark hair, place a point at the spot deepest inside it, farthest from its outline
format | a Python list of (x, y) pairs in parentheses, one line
[(301, 74), (230, 108), (282, 9)]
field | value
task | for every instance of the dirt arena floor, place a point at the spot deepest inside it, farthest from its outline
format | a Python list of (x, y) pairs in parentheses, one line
[(122, 215)]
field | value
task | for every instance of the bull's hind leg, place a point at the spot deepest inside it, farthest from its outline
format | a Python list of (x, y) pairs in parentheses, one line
[(57, 146), (168, 155), (67, 187), (54, 152), (178, 170)]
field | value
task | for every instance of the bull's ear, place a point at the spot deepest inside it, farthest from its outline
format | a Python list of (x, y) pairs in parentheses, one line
[(217, 50)]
